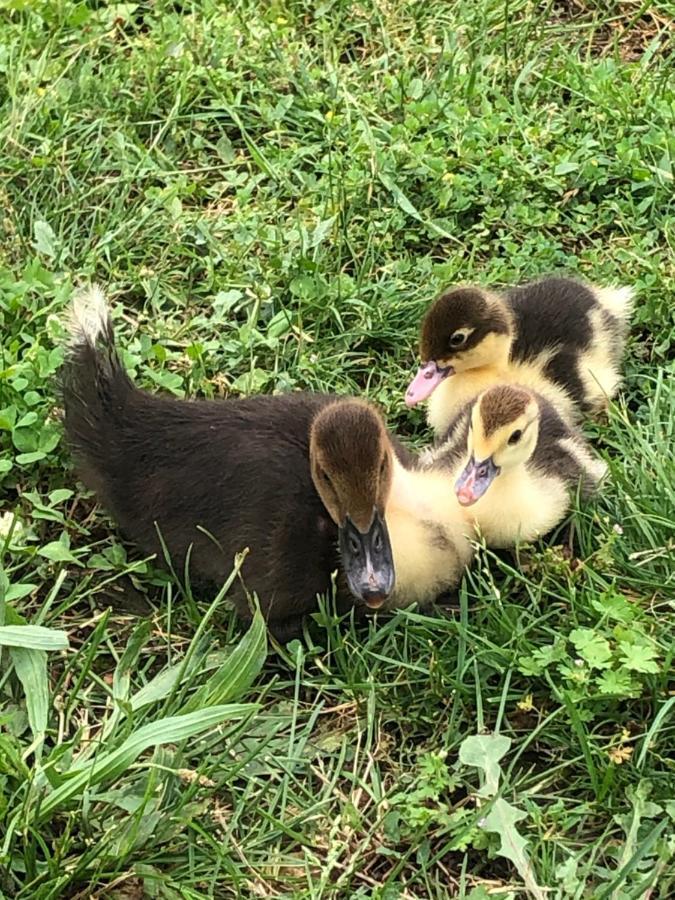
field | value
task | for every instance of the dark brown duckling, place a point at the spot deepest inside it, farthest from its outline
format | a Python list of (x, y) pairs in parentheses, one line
[(215, 477), (557, 336)]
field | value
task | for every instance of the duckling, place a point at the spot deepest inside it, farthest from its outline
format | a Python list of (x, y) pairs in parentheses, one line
[(558, 337), (515, 464), (425, 524), (215, 477), (309, 483)]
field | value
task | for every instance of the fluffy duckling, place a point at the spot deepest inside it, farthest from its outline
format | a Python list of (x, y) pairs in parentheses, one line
[(558, 337), (309, 483), (424, 523), (516, 464)]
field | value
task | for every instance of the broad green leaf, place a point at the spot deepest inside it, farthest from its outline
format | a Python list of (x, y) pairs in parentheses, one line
[(615, 606), (33, 637), (639, 657), (58, 551), (157, 688), (566, 875), (26, 420), (225, 300), (280, 324), (641, 807), (11, 616), (31, 670), (593, 648), (617, 683), (19, 591), (26, 459), (322, 230), (7, 418), (502, 820), (485, 751), (45, 239), (565, 167), (59, 495), (541, 658), (236, 672), (251, 382), (399, 197), (107, 766), (303, 286)]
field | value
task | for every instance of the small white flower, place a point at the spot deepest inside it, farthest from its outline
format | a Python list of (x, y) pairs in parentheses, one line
[(617, 529)]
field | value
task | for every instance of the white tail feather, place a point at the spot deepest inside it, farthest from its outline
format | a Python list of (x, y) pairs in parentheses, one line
[(616, 300), (89, 314)]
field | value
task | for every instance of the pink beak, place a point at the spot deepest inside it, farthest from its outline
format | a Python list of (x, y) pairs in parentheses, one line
[(466, 491), (428, 377), (475, 480)]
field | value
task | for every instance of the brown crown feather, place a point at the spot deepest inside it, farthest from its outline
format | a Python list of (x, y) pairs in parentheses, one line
[(501, 405)]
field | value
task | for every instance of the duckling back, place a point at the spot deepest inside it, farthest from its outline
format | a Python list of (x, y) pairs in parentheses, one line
[(203, 479), (578, 332)]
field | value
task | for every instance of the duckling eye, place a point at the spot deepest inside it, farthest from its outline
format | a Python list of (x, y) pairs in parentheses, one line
[(458, 338), (515, 437), (326, 478), (383, 466)]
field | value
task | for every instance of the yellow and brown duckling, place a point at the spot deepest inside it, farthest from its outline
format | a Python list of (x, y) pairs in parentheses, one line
[(515, 464), (310, 483), (426, 528), (557, 336)]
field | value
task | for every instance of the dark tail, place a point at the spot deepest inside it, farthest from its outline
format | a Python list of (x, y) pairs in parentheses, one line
[(94, 389)]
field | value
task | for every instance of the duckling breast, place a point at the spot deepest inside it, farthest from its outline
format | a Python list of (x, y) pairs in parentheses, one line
[(428, 540)]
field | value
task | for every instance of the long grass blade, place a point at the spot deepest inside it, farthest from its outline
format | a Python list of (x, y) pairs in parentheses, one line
[(108, 766), (31, 669), (33, 637)]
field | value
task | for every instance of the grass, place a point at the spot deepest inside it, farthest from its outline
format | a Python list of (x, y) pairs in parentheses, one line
[(273, 193)]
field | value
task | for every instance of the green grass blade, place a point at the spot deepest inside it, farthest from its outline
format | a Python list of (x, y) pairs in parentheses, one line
[(31, 669), (238, 672), (33, 637), (108, 766)]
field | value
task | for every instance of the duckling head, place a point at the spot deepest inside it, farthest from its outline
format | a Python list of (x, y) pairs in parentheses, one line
[(351, 460), (502, 435), (465, 328)]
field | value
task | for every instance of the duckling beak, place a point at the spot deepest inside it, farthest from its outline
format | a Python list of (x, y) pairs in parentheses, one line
[(368, 561), (428, 377), (475, 480)]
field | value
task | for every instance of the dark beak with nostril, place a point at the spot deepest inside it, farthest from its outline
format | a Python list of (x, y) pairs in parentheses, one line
[(368, 561)]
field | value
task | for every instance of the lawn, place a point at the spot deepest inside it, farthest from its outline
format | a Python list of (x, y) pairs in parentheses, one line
[(272, 194)]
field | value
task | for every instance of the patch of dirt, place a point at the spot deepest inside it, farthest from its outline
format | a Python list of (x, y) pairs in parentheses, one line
[(622, 24)]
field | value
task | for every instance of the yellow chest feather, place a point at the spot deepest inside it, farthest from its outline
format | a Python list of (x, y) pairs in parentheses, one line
[(428, 533), (518, 507)]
